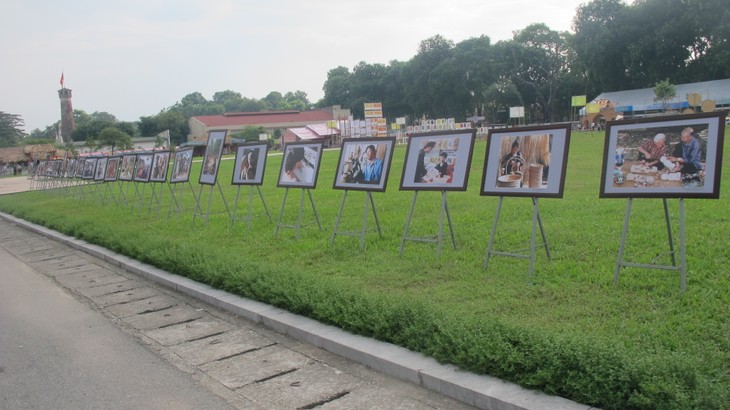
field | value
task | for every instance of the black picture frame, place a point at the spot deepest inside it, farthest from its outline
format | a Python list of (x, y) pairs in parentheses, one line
[(182, 162), (364, 164), (212, 157), (300, 164), (250, 164), (526, 161), (143, 168), (112, 169), (89, 168), (160, 162), (689, 168), (438, 161), (126, 167), (100, 170)]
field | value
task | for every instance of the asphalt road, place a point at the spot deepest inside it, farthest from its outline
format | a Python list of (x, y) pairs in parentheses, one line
[(57, 353)]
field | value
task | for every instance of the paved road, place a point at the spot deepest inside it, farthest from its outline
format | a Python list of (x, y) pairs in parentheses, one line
[(10, 185), (78, 333), (57, 353)]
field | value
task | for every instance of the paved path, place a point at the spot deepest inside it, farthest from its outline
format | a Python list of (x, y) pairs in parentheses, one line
[(250, 354), (10, 185)]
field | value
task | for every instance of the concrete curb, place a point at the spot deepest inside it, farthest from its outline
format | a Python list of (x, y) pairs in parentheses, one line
[(483, 392)]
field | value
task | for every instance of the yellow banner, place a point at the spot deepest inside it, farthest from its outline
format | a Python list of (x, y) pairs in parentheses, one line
[(593, 108), (578, 100)]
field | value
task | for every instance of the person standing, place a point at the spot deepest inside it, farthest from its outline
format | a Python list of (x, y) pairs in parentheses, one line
[(421, 163)]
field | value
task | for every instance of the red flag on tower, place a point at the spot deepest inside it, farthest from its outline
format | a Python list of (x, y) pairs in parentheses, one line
[(61, 79)]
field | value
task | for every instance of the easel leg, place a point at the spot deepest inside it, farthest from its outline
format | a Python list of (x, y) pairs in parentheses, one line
[(408, 223), (281, 212), (301, 214), (375, 214), (533, 236), (669, 231), (223, 197), (448, 218), (268, 215), (440, 236), (624, 233), (490, 246), (682, 245), (542, 230), (314, 208), (364, 220), (339, 216), (235, 207)]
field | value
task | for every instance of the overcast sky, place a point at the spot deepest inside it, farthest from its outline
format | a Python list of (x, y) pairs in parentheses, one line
[(133, 58)]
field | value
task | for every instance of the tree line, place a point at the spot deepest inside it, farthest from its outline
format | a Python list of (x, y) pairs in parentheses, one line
[(613, 46)]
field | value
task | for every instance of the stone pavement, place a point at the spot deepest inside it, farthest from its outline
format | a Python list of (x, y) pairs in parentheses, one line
[(251, 354)]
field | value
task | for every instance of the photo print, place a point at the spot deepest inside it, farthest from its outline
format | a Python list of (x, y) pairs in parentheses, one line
[(112, 167), (160, 161), (89, 168), (665, 157), (438, 160), (526, 161), (250, 163), (300, 165), (182, 162), (100, 168), (212, 157), (364, 164), (126, 168), (143, 168)]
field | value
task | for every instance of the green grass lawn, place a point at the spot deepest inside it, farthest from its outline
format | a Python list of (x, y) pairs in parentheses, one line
[(568, 330)]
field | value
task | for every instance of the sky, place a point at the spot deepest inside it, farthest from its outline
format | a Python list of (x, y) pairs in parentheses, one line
[(134, 58)]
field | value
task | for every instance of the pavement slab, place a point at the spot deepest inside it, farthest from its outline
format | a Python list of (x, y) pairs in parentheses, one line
[(109, 288), (256, 366), (306, 387), (89, 279), (201, 328), (217, 347), (170, 316), (122, 296), (152, 304)]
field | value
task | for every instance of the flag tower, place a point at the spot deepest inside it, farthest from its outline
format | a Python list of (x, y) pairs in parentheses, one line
[(67, 112)]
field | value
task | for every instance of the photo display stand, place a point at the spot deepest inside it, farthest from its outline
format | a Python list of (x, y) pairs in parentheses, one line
[(249, 216), (177, 198), (682, 268), (248, 169), (180, 174), (536, 222), (369, 204), (364, 165), (527, 162), (209, 174), (299, 169), (436, 161), (438, 240), (663, 157)]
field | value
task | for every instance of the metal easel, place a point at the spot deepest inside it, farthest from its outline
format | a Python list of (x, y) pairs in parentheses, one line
[(199, 210), (536, 222), (369, 203), (439, 237), (177, 200), (298, 225), (682, 268), (249, 216)]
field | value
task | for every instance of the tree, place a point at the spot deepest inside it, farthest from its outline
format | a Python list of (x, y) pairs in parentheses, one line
[(171, 120), (113, 137), (664, 91), (10, 129), (337, 88)]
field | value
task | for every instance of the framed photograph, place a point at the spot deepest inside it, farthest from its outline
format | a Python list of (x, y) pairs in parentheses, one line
[(70, 167), (80, 164), (112, 168), (160, 162), (212, 157), (126, 168), (56, 173), (181, 165), (364, 164), (526, 161), (664, 157), (300, 165), (143, 168), (250, 163), (100, 171), (89, 168), (438, 160)]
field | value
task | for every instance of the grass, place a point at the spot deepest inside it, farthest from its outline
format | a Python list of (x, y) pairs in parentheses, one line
[(569, 330)]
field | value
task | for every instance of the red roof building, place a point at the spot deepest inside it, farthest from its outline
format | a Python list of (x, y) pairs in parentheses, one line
[(269, 120)]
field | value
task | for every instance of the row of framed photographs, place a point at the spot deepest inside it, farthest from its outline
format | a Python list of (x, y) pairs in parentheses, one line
[(672, 156)]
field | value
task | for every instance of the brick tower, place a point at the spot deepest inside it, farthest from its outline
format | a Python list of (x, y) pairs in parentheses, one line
[(67, 112)]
